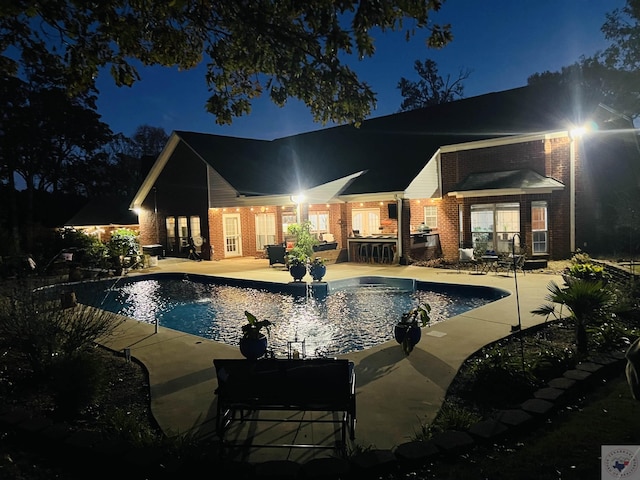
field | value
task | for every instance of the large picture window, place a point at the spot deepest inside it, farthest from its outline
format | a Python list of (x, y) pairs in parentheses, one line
[(539, 227), (493, 226)]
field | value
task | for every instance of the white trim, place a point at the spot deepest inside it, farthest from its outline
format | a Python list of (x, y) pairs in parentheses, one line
[(330, 190), (496, 142), (370, 197), (428, 182), (155, 171), (502, 192)]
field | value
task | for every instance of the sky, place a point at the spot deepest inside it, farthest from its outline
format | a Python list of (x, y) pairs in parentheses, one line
[(502, 42)]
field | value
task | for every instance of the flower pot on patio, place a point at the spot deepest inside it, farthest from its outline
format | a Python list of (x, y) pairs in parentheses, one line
[(253, 343), (317, 272), (298, 272), (407, 331), (406, 334)]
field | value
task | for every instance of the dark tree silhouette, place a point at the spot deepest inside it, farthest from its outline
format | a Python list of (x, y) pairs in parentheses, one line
[(44, 134), (282, 49), (432, 88)]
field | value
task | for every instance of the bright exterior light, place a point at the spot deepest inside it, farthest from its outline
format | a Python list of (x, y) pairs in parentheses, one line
[(299, 198), (577, 132), (137, 211), (587, 127)]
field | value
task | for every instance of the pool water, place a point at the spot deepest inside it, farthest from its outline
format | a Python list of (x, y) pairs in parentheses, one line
[(349, 319)]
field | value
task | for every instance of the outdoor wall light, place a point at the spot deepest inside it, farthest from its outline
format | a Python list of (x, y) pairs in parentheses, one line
[(298, 199), (577, 132)]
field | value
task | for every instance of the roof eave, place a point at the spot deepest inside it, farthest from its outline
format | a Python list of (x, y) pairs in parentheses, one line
[(155, 171), (505, 140), (503, 192)]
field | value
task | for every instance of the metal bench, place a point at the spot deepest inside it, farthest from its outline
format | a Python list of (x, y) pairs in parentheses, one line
[(318, 384)]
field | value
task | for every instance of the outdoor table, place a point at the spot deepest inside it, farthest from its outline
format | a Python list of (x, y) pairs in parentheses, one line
[(489, 262)]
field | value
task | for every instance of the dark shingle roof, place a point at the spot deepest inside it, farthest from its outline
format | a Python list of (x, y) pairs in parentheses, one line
[(104, 211), (510, 179), (392, 149)]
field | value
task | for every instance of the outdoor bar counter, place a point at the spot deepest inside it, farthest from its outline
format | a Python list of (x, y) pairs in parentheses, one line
[(353, 243)]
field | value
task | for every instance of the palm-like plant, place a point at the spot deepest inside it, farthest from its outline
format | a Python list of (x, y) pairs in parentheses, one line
[(585, 300)]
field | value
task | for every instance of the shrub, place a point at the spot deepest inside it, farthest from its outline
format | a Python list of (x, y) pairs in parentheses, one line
[(580, 257), (587, 271), (453, 415), (123, 242), (497, 377), (42, 332), (546, 359), (122, 425), (610, 335), (76, 381)]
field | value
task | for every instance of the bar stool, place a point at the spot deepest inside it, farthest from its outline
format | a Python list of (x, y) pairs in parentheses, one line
[(364, 252), (353, 251), (387, 253), (376, 252)]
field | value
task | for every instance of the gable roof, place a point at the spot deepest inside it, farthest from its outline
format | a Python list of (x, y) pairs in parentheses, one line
[(390, 150)]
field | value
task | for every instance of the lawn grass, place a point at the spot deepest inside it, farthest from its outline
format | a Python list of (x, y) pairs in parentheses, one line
[(566, 447)]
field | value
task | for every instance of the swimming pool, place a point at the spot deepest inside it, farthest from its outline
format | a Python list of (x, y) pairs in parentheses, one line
[(353, 314)]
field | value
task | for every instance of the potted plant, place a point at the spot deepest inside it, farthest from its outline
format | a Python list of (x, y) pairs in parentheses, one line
[(253, 343), (317, 269), (123, 244), (297, 265), (407, 331)]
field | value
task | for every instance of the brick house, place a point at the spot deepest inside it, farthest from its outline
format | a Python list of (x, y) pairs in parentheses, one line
[(475, 172)]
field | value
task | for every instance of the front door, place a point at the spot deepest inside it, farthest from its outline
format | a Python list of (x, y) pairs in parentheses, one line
[(232, 235)]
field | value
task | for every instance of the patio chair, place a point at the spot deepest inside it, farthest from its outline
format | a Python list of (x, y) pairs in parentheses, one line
[(511, 263), (466, 256), (276, 254)]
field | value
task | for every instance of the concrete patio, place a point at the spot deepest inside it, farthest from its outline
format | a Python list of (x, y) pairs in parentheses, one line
[(394, 393)]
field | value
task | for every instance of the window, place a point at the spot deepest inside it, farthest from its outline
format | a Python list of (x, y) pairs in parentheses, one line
[(265, 230), (507, 224), (482, 227), (431, 216), (195, 227), (493, 226), (319, 222), (183, 233), (171, 233), (287, 219), (366, 220), (539, 227)]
